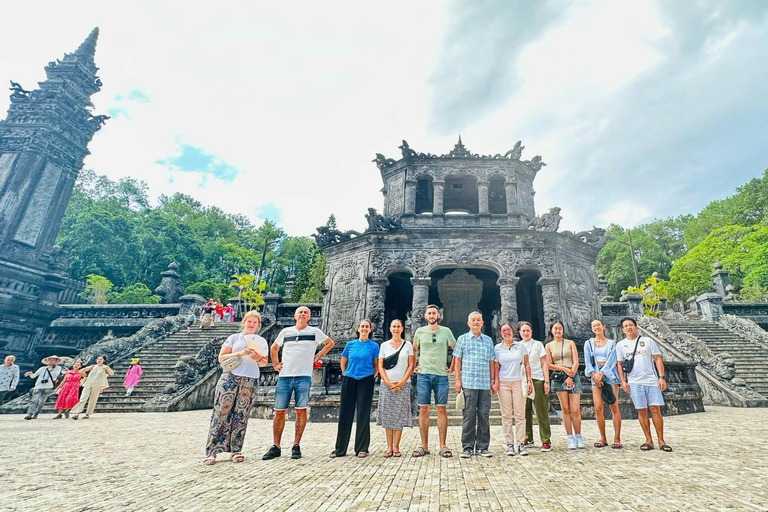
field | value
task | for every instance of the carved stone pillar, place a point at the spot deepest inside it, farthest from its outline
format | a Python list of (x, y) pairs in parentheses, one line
[(550, 296), (634, 300), (377, 290), (410, 197), (510, 191), (482, 197), (711, 306), (420, 301), (721, 279), (438, 189), (508, 292)]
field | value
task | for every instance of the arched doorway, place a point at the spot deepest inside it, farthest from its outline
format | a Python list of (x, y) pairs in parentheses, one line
[(529, 302), (397, 301), (459, 291)]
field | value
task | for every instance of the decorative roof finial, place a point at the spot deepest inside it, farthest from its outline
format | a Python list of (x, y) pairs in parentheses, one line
[(88, 47)]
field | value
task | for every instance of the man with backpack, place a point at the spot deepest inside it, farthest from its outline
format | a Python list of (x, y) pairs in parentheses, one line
[(47, 380), (641, 372)]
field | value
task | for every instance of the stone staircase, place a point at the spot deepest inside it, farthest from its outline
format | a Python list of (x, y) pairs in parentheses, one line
[(157, 362), (751, 362)]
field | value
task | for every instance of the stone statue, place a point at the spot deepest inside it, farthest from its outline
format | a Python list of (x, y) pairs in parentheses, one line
[(170, 290), (382, 162), (378, 222), (98, 121), (595, 236), (406, 150), (535, 163), (516, 152), (549, 221), (18, 91), (326, 236)]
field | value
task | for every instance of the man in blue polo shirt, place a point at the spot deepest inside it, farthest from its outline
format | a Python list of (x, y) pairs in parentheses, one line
[(474, 358)]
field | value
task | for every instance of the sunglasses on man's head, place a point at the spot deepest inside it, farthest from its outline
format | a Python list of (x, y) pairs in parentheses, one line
[(434, 337)]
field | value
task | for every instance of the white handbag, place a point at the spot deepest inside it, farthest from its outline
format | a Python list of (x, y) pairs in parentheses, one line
[(524, 384), (460, 400)]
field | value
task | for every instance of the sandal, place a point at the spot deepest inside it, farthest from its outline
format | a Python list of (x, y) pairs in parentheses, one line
[(396, 454), (445, 452), (600, 444), (237, 457), (210, 460), (665, 448), (646, 447), (362, 455), (617, 446), (388, 454), (419, 452), (334, 455)]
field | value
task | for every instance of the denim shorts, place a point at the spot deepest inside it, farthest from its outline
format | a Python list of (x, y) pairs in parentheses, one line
[(607, 379), (298, 386), (426, 384), (644, 396)]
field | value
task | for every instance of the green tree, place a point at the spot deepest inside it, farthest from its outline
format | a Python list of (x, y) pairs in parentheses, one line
[(316, 280), (96, 289), (212, 290), (137, 293)]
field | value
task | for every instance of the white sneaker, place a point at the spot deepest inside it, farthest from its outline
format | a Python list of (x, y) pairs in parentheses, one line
[(521, 449), (511, 450), (571, 442), (579, 442)]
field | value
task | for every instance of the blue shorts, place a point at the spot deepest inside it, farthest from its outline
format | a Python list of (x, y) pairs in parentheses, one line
[(426, 384), (296, 386), (644, 396)]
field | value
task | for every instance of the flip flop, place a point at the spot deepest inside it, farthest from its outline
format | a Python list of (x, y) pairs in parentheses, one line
[(237, 457), (646, 447), (388, 454), (397, 454), (334, 455), (665, 448), (445, 452), (362, 455), (419, 452), (600, 444), (617, 446)]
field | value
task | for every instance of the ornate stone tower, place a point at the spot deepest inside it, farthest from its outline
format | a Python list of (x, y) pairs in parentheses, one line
[(460, 230), (43, 142)]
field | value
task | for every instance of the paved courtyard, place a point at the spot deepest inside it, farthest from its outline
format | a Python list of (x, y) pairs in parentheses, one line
[(154, 462)]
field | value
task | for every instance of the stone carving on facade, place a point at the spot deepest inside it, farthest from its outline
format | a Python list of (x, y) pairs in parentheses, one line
[(535, 163), (382, 162), (745, 328), (326, 236), (17, 91), (459, 151), (595, 237), (345, 300), (550, 297), (580, 296), (549, 221), (378, 222), (396, 195), (375, 305)]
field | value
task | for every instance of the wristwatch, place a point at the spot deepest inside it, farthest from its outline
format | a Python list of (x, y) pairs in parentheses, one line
[(663, 377)]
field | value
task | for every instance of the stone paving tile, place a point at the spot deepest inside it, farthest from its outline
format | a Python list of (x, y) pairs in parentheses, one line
[(154, 462)]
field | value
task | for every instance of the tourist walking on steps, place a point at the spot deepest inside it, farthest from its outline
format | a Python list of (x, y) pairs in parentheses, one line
[(206, 319), (396, 363), (236, 390), (299, 344), (359, 370), (132, 376), (95, 383), (537, 358), (9, 377), (474, 362), (563, 361), (191, 319), (46, 376), (219, 310), (515, 385), (68, 392), (643, 382), (228, 313), (600, 367), (430, 343)]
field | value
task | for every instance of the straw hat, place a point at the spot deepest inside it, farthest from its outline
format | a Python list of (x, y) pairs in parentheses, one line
[(45, 359)]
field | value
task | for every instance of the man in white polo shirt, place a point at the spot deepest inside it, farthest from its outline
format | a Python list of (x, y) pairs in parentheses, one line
[(299, 344)]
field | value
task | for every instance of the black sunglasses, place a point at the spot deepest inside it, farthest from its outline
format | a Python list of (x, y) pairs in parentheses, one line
[(434, 337)]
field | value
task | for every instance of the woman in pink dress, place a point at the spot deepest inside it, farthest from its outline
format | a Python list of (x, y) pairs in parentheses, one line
[(69, 390), (132, 376)]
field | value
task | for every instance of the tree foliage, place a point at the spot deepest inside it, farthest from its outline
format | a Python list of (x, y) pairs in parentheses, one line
[(137, 293)]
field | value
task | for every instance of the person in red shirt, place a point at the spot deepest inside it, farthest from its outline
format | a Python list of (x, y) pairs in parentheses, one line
[(219, 310)]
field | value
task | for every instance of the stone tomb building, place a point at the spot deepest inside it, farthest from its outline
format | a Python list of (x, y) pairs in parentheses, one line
[(460, 230)]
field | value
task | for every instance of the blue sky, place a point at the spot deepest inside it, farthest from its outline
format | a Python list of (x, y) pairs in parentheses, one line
[(641, 109)]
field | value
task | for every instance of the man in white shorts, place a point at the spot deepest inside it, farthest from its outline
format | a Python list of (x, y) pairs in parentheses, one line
[(299, 344), (642, 383)]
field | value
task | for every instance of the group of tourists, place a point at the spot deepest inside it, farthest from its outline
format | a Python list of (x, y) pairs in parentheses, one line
[(76, 388), (521, 371), (212, 312)]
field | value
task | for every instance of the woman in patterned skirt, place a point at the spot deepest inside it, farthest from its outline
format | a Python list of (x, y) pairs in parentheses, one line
[(395, 391), (236, 391), (69, 390)]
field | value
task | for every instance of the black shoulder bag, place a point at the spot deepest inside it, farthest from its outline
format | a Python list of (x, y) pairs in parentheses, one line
[(628, 364), (390, 361), (559, 376), (606, 391)]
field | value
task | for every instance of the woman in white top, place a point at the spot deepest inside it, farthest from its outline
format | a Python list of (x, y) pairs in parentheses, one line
[(537, 357), (394, 411), (514, 386), (236, 390), (94, 384)]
